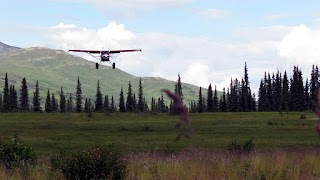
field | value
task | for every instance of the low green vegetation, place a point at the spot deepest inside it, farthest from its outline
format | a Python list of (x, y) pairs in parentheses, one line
[(48, 133), (223, 145)]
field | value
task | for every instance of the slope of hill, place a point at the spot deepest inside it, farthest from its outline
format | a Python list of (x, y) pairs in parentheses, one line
[(6, 47), (55, 69)]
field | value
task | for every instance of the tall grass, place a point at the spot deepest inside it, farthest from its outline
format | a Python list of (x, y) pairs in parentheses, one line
[(202, 164)]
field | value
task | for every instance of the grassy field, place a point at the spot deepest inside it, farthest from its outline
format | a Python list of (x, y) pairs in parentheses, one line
[(47, 133), (286, 146)]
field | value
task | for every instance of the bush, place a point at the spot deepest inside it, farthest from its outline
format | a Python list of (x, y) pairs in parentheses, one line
[(303, 116), (247, 146), (97, 163), (14, 154)]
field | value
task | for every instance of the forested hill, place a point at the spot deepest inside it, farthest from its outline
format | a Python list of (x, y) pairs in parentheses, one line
[(55, 69)]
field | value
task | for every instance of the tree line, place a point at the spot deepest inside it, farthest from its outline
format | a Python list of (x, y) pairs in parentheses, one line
[(11, 101), (276, 93)]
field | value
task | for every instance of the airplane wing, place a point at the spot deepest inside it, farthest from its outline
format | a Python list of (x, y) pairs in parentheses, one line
[(120, 51), (87, 51)]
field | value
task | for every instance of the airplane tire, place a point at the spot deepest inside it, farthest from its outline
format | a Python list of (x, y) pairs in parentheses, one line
[(113, 65), (97, 66)]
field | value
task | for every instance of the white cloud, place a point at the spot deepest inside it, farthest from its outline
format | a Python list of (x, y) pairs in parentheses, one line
[(301, 46), (199, 60)]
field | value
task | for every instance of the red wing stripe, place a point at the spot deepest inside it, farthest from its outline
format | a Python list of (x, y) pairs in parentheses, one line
[(88, 51), (128, 50)]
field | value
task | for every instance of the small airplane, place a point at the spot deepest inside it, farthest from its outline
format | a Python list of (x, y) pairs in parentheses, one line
[(104, 55)]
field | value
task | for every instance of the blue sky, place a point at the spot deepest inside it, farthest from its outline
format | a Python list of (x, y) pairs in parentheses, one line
[(206, 41)]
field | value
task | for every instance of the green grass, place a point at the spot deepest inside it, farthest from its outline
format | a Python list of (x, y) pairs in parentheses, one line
[(286, 147), (48, 133)]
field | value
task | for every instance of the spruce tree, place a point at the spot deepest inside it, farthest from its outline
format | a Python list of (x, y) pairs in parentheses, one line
[(122, 106), (200, 102), (245, 96), (99, 100), (130, 99), (6, 97), (36, 99), (307, 96), (86, 106), (223, 101), (314, 86), (285, 94), (13, 100), (70, 107), (47, 106), (112, 108), (141, 106), (106, 104), (178, 87), (79, 97), (63, 107), (215, 100), (54, 103), (24, 97), (210, 103)]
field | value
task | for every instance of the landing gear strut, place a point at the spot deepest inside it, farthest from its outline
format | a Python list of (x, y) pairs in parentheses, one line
[(113, 65), (97, 65)]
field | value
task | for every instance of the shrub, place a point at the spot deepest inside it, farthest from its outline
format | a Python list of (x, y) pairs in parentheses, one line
[(15, 154), (303, 116), (97, 163), (247, 146)]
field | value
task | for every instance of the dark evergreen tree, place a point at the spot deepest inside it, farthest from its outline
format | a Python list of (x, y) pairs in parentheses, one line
[(99, 100), (6, 95), (223, 101), (130, 100), (307, 96), (215, 100), (269, 92), (86, 106), (141, 103), (79, 97), (70, 106), (245, 97), (106, 104), (54, 103), (36, 99), (153, 105), (234, 101), (297, 98), (145, 102), (135, 105), (47, 106), (63, 102), (277, 91), (314, 86), (24, 97), (178, 87), (210, 103), (200, 102), (13, 99), (113, 107), (122, 106), (285, 95)]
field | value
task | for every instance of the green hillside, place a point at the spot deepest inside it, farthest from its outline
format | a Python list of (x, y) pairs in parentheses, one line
[(56, 68)]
